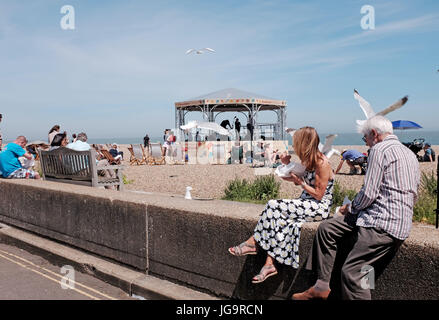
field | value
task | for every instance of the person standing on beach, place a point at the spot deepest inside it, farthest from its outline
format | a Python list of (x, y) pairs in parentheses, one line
[(378, 220), (278, 230), (146, 141), (237, 128), (166, 143)]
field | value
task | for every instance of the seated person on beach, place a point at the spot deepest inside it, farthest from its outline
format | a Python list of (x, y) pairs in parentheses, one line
[(59, 140), (117, 155), (278, 230), (10, 166), (52, 133), (353, 158), (81, 145), (429, 154)]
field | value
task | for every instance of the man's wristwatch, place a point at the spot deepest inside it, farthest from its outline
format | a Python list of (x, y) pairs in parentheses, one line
[(303, 184)]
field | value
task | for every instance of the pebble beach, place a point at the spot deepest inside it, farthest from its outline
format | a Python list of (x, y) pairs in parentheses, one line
[(209, 181)]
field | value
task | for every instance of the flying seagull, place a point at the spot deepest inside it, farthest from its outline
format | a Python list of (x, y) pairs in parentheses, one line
[(200, 51), (290, 131), (369, 112), (327, 148)]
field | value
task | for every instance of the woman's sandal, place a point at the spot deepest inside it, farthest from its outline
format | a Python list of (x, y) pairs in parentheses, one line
[(237, 251), (262, 276)]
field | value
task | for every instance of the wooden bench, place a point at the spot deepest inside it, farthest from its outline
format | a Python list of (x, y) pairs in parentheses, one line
[(77, 167)]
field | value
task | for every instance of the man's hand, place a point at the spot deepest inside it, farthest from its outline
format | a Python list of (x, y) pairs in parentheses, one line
[(344, 209), (28, 156)]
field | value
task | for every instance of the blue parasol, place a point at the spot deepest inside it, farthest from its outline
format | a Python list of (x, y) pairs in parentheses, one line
[(405, 125)]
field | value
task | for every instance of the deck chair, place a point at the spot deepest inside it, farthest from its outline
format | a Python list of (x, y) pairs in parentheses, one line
[(109, 157), (137, 153), (156, 154), (98, 149), (145, 153), (218, 151)]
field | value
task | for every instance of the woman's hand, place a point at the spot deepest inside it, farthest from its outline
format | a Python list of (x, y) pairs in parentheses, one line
[(285, 158), (293, 178)]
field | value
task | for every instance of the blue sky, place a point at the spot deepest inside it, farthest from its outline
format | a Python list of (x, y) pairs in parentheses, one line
[(120, 71)]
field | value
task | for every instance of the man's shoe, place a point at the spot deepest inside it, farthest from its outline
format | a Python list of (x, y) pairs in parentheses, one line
[(311, 294)]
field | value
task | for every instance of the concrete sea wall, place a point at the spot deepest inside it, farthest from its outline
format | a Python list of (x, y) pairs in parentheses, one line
[(186, 241)]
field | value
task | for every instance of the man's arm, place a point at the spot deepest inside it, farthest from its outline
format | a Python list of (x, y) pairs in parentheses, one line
[(339, 166), (372, 181), (430, 155), (28, 155)]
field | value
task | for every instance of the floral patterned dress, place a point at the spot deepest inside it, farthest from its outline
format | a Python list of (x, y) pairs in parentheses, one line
[(278, 229)]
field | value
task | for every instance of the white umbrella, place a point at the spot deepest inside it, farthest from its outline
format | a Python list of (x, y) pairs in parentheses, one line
[(206, 125)]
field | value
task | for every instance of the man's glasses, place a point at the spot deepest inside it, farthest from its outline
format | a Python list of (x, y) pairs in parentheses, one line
[(364, 138)]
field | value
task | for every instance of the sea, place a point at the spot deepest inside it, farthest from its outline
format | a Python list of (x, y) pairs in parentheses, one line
[(342, 139)]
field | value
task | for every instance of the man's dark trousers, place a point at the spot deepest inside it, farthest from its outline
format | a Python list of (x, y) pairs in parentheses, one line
[(371, 247)]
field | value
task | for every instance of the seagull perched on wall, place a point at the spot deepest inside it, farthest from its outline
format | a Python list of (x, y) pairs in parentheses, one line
[(369, 112), (200, 51)]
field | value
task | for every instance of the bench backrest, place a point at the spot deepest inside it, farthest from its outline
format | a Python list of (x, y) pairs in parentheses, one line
[(64, 163)]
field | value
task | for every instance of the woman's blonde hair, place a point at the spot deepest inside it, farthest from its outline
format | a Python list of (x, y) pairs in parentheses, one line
[(306, 145)]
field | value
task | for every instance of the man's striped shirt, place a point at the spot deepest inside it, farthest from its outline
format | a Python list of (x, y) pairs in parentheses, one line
[(390, 188)]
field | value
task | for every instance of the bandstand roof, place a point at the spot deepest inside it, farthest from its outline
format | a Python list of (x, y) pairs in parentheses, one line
[(231, 100)]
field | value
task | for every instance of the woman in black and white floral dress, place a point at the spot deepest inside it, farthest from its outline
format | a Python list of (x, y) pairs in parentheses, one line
[(278, 229)]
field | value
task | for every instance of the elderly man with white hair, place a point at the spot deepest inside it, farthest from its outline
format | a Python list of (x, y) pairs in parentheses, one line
[(377, 221)]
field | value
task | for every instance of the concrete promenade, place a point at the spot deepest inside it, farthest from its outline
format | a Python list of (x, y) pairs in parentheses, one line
[(27, 276), (185, 242)]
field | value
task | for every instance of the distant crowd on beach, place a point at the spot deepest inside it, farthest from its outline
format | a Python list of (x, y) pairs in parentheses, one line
[(19, 156)]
